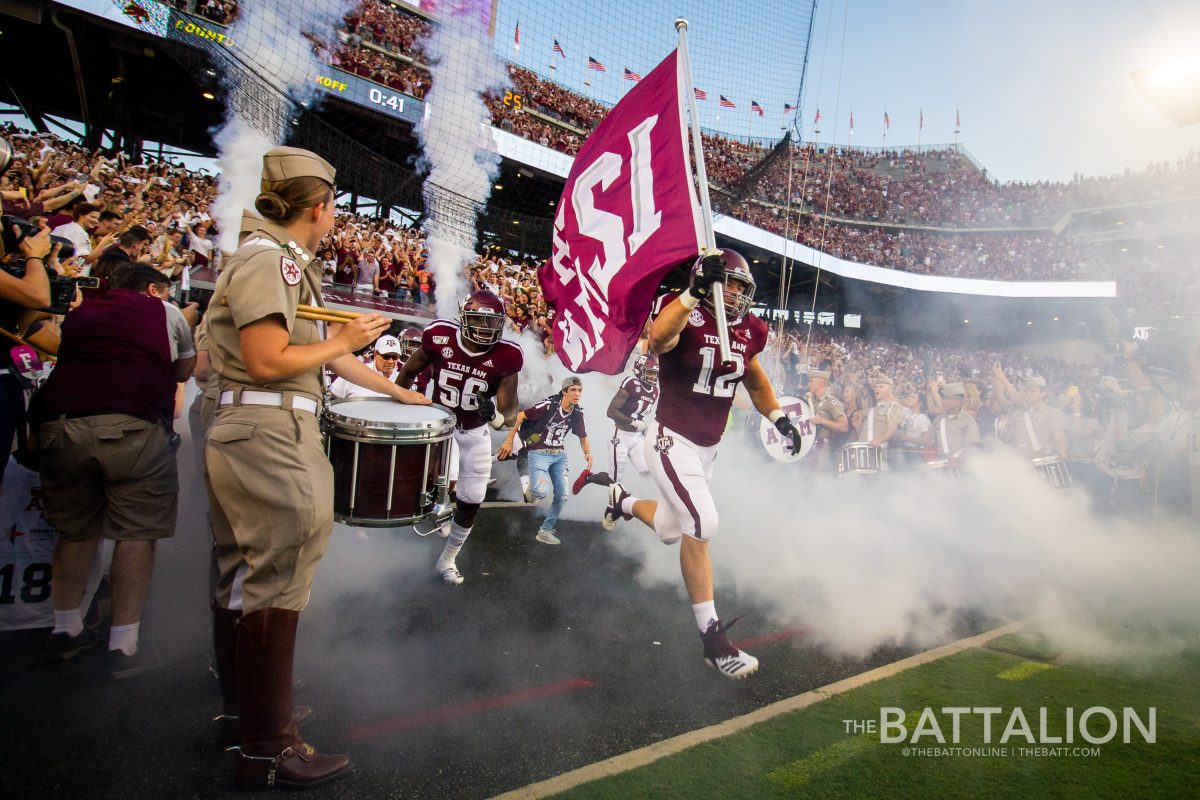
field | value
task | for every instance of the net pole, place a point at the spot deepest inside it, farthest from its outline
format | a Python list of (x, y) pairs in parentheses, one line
[(710, 237)]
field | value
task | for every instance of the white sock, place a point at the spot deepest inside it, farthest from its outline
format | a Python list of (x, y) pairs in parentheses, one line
[(627, 505), (124, 638), (69, 622), (458, 536), (706, 614)]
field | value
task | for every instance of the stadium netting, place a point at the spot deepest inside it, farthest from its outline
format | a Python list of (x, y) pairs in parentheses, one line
[(497, 94)]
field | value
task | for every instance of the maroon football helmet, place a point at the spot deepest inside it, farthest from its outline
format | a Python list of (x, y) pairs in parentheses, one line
[(481, 315), (410, 342), (645, 369), (737, 271)]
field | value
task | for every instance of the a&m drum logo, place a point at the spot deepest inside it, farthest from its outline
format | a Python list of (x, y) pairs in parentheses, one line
[(695, 319), (663, 443), (777, 446)]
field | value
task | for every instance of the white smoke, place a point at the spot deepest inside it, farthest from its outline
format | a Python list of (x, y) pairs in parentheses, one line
[(274, 54), (867, 562), (458, 150)]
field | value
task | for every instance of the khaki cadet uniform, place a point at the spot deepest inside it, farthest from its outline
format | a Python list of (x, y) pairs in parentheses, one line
[(270, 483), (878, 418), (830, 408), (1031, 430), (951, 434)]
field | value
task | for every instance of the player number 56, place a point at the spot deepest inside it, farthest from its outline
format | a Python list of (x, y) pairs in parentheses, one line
[(450, 395)]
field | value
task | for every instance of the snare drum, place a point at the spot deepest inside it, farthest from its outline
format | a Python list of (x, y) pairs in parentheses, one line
[(860, 458), (390, 461), (1055, 471), (942, 468)]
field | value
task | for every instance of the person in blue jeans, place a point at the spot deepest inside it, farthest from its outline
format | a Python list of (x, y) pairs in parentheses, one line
[(544, 427)]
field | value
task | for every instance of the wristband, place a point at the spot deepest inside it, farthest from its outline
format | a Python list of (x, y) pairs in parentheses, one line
[(775, 415), (689, 300), (497, 422)]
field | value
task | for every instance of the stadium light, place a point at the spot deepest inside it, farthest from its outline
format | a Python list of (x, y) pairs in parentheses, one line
[(209, 96), (1173, 88)]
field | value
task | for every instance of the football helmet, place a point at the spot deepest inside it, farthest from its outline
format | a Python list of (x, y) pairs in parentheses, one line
[(645, 368), (737, 303), (481, 315), (410, 341)]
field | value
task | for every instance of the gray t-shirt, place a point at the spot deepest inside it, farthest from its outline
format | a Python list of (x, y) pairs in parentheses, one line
[(179, 333)]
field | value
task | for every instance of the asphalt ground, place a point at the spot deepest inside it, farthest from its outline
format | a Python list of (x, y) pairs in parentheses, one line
[(546, 659)]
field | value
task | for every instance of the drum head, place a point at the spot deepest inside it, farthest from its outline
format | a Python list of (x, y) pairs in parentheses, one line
[(800, 413), (383, 415)]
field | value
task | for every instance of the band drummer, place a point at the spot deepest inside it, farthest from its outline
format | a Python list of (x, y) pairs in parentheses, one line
[(829, 417), (1036, 429), (954, 430), (270, 484)]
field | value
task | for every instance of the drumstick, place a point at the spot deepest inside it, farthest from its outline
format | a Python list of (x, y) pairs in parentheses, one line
[(317, 313), (343, 316)]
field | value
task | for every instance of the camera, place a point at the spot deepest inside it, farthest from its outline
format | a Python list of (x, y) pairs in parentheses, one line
[(62, 289), (12, 239)]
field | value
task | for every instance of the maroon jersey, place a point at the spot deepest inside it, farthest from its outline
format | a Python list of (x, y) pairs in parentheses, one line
[(459, 376), (639, 398), (547, 426), (696, 390)]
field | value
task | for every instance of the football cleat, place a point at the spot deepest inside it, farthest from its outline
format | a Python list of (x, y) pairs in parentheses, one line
[(581, 481), (722, 656), (616, 495), (450, 575)]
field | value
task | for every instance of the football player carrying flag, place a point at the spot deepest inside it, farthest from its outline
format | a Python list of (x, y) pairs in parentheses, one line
[(628, 216)]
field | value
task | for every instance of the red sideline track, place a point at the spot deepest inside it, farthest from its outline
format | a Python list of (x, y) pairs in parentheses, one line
[(446, 713), (771, 638)]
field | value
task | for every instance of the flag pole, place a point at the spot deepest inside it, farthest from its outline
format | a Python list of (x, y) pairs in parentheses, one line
[(710, 236)]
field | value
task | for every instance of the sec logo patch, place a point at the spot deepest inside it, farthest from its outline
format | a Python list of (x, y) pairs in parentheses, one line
[(695, 319), (447, 352)]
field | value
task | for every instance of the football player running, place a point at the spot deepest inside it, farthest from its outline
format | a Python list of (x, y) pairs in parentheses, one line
[(681, 442), (473, 372), (628, 410)]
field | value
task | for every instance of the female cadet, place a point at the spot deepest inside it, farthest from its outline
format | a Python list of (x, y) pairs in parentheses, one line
[(270, 484)]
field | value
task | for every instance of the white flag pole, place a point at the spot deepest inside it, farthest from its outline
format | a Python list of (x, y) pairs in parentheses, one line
[(710, 237)]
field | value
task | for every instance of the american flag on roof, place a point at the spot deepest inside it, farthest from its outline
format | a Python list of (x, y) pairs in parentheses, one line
[(756, 108), (726, 102), (887, 121), (788, 108), (630, 75), (558, 49), (517, 35), (596, 65), (700, 94)]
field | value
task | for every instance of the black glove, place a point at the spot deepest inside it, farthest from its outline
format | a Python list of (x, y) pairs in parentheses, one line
[(786, 429), (706, 271), (487, 407)]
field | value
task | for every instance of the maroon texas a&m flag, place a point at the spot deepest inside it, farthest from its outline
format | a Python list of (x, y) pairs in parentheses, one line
[(628, 214)]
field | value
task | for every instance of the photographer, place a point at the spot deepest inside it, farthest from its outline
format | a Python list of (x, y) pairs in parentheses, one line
[(16, 295)]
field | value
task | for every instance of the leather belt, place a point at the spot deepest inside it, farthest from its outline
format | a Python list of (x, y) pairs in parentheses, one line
[(274, 399)]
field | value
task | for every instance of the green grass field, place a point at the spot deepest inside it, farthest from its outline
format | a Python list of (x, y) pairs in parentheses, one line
[(808, 753)]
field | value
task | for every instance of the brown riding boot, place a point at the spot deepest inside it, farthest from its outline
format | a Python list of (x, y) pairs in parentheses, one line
[(272, 753), (225, 625)]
